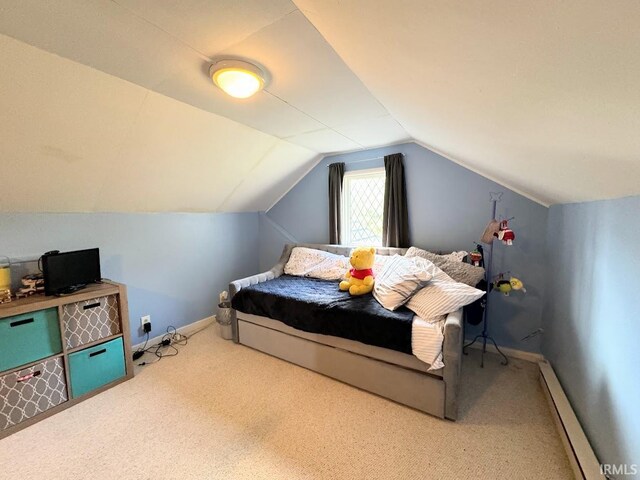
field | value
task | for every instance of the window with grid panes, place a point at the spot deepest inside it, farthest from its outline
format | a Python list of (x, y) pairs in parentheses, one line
[(362, 201)]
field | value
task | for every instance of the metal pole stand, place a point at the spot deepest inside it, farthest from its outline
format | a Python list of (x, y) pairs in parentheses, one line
[(495, 198), (484, 338)]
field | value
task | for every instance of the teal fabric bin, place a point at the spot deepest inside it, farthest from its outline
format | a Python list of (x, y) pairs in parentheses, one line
[(96, 366), (29, 337)]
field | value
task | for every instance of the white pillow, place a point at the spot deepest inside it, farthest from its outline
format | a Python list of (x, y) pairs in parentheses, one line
[(309, 262), (442, 295), (398, 280), (380, 262)]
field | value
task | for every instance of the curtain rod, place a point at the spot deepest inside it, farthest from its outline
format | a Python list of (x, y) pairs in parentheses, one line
[(364, 160)]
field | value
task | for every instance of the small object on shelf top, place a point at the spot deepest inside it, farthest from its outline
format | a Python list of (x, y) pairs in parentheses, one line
[(31, 284), (5, 279)]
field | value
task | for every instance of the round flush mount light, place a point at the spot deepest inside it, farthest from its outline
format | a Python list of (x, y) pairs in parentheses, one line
[(237, 78)]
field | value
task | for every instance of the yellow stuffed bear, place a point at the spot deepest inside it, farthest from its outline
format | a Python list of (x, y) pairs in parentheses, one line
[(359, 280)]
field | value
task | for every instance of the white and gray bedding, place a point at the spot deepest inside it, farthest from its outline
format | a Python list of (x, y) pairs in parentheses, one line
[(318, 306), (371, 368), (399, 280), (307, 299)]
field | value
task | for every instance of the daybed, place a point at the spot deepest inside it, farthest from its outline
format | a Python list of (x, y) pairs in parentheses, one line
[(388, 372)]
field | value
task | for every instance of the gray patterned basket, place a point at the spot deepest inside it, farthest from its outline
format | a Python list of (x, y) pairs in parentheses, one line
[(30, 391), (90, 320)]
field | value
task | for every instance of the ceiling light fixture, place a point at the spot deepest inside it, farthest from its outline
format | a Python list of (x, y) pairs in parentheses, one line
[(237, 78)]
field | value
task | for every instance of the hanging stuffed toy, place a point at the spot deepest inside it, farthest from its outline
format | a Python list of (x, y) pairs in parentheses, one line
[(517, 284), (490, 231), (506, 286), (503, 286), (476, 257), (505, 233)]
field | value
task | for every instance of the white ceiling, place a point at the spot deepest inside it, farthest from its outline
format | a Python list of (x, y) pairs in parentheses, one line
[(540, 96), (543, 96), (313, 100), (75, 139)]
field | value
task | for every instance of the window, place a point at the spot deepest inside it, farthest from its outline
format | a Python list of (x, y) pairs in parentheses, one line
[(362, 206)]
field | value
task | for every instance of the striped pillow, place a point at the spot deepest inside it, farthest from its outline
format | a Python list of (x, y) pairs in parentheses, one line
[(442, 295), (398, 280)]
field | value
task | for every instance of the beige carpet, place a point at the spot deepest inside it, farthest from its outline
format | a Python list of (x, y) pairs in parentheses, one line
[(220, 410)]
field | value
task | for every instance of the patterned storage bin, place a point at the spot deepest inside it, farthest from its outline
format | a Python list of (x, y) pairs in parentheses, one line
[(90, 320), (30, 391)]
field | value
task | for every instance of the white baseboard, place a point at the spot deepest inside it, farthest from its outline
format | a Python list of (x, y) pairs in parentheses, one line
[(581, 456), (195, 327), (512, 352), (187, 330)]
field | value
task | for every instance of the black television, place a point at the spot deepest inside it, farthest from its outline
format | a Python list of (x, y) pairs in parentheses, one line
[(69, 271)]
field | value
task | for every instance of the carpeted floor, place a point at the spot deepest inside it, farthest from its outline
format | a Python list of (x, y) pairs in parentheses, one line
[(220, 410)]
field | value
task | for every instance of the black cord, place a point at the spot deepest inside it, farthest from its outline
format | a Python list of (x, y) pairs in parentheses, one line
[(167, 345), (140, 352)]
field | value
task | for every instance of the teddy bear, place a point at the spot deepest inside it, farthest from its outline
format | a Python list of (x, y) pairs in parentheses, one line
[(359, 279)]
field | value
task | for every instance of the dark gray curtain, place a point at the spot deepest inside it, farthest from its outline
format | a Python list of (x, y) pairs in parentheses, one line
[(336, 174), (395, 219)]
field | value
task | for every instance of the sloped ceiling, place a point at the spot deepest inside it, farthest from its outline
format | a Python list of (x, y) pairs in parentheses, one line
[(313, 98), (76, 139), (543, 96), (114, 110), (155, 134)]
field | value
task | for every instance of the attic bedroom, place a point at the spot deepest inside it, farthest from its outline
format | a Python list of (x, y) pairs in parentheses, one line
[(319, 239)]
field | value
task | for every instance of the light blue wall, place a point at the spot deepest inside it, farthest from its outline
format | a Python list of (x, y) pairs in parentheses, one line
[(592, 319), (174, 265), (448, 210)]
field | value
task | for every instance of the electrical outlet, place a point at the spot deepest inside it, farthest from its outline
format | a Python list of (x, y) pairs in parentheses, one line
[(144, 320)]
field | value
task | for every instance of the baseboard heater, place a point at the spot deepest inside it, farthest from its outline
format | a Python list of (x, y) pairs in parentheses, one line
[(583, 460)]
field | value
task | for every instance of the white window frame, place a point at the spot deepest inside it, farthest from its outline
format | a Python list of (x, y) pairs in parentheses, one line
[(346, 201)]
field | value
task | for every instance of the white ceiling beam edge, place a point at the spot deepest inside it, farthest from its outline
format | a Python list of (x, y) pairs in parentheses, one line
[(313, 165), (497, 180), (428, 147)]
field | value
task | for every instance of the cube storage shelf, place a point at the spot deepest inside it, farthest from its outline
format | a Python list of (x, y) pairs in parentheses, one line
[(58, 351)]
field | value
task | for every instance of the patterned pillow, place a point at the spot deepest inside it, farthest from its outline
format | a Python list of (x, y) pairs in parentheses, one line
[(309, 262), (452, 265), (398, 280), (442, 295)]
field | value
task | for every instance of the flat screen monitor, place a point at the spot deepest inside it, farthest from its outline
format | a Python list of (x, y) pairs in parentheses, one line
[(68, 271)]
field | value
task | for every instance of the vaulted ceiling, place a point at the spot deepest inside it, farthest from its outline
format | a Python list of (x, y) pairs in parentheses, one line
[(543, 96), (107, 105)]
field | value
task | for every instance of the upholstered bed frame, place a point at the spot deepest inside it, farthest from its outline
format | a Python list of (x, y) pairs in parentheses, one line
[(394, 375)]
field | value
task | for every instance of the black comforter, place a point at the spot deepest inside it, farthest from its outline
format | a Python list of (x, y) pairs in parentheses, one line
[(318, 306)]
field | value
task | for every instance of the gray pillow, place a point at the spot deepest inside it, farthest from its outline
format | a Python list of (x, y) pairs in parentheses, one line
[(457, 270)]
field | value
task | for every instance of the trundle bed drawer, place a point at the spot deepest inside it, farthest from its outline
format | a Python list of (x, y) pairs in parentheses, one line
[(96, 366), (90, 320), (29, 337), (31, 391), (418, 390)]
